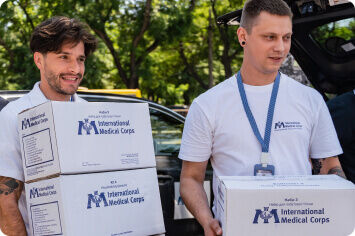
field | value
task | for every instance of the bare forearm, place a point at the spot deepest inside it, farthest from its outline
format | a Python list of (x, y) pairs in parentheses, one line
[(330, 165), (195, 199), (337, 171), (11, 222), (194, 196)]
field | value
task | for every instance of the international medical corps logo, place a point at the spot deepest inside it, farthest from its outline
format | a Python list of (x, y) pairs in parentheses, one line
[(287, 125), (87, 126), (266, 215), (97, 199)]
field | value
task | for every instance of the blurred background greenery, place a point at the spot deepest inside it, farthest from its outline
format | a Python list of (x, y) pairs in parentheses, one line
[(172, 50)]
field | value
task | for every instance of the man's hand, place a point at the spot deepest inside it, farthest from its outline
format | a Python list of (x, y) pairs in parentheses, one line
[(194, 196), (330, 165), (11, 222), (212, 228)]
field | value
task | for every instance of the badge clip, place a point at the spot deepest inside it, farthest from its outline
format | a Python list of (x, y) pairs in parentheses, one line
[(264, 169), (260, 170)]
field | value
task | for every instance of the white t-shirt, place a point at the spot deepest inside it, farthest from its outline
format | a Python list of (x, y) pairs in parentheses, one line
[(217, 126), (10, 150)]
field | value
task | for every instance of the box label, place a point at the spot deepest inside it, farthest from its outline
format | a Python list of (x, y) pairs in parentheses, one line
[(291, 211), (115, 198), (106, 126), (119, 132), (46, 219), (33, 120), (37, 148)]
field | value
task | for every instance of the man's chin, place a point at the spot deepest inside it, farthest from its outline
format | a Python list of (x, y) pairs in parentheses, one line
[(68, 91), (272, 70)]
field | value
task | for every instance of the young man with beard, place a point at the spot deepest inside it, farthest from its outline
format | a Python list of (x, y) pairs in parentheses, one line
[(60, 46), (259, 121)]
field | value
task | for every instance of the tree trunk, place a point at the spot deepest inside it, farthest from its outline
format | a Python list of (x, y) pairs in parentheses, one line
[(223, 31), (210, 52), (133, 80)]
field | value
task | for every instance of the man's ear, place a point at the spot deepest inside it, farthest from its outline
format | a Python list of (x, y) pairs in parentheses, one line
[(38, 59), (242, 33)]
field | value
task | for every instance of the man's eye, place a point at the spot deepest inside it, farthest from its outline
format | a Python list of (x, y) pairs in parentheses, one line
[(287, 37), (82, 59), (269, 37), (63, 57)]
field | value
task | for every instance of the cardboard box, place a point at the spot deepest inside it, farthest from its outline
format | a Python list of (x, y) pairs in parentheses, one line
[(286, 205), (71, 138), (110, 203)]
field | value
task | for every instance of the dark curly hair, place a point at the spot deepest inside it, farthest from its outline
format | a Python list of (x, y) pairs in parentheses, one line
[(51, 34)]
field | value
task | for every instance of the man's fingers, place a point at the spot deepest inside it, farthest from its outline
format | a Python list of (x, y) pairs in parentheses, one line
[(216, 227)]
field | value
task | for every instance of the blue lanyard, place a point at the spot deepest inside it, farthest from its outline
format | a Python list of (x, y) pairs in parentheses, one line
[(270, 114), (71, 98)]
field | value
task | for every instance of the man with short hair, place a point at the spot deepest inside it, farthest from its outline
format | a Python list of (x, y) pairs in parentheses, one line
[(259, 121), (60, 46)]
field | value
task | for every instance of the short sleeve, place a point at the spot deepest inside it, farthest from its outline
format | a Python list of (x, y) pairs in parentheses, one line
[(196, 143), (10, 152), (324, 139)]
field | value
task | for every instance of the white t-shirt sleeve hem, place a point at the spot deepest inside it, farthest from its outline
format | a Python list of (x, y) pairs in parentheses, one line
[(326, 155), (193, 159), (11, 174)]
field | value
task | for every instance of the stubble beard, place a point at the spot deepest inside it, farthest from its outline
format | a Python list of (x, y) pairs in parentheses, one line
[(53, 82)]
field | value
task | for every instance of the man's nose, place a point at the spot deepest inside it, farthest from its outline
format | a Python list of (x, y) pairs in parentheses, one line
[(279, 45), (74, 66)]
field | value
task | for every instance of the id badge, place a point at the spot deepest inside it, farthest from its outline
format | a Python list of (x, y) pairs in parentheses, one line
[(259, 170)]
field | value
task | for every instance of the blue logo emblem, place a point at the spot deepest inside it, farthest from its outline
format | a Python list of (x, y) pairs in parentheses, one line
[(279, 125), (266, 215), (34, 193), (25, 123), (87, 126), (97, 199)]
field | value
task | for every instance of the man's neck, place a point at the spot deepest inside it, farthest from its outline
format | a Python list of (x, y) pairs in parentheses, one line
[(53, 96), (254, 77)]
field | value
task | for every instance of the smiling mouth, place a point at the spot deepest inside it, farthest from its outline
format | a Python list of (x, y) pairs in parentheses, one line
[(70, 77)]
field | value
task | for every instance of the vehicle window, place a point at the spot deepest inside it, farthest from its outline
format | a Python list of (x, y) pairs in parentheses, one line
[(336, 38), (167, 133)]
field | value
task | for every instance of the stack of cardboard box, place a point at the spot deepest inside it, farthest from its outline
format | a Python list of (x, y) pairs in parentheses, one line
[(90, 169)]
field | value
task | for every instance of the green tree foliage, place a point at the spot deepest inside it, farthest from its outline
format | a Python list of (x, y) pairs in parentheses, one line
[(17, 21), (159, 46)]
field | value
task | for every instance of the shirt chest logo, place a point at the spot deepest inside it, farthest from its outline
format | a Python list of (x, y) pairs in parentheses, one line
[(287, 125)]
